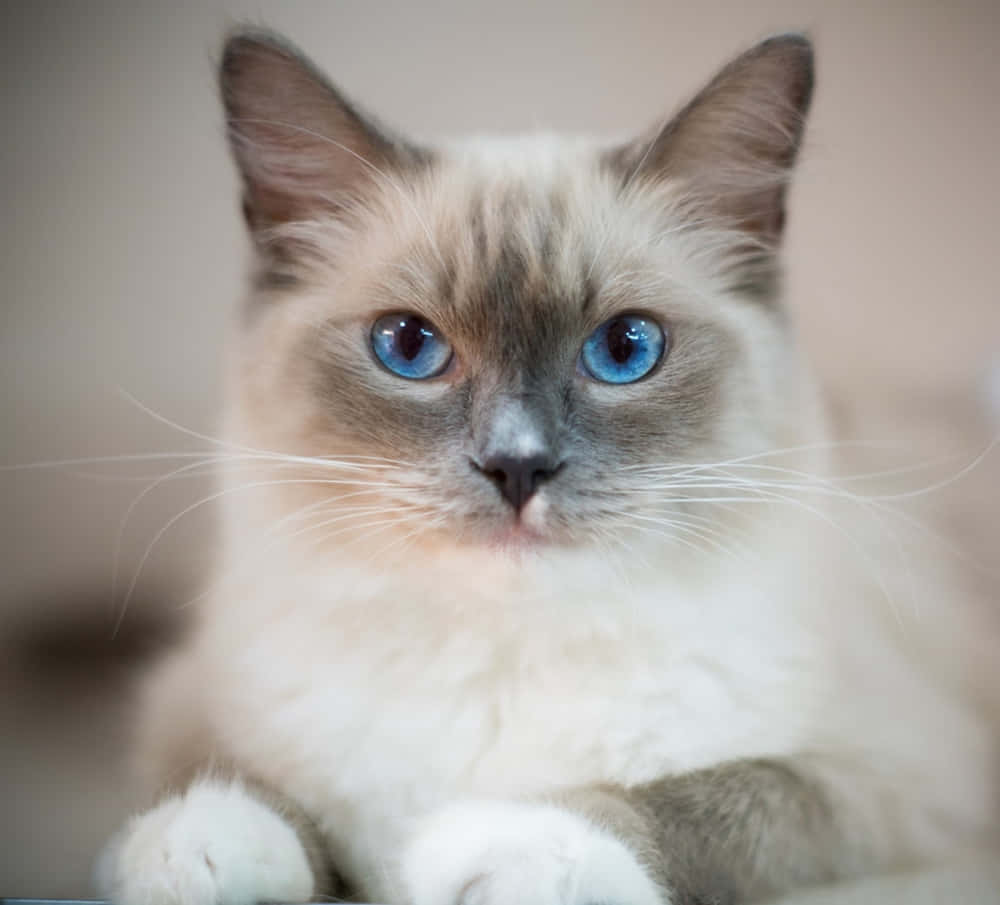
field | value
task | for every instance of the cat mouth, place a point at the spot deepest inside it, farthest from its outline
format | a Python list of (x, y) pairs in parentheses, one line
[(517, 537), (525, 530)]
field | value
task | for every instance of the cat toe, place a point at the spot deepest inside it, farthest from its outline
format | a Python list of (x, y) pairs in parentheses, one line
[(214, 845), (496, 853)]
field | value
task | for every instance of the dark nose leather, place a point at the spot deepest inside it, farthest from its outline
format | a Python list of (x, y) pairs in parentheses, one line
[(518, 478)]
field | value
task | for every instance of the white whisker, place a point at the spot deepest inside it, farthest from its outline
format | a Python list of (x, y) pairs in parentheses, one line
[(218, 495)]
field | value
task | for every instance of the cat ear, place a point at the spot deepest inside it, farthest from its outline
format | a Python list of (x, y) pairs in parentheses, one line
[(301, 148), (733, 146)]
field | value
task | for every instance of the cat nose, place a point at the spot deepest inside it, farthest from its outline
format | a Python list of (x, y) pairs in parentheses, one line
[(517, 477)]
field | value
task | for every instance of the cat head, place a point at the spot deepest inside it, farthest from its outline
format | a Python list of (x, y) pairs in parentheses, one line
[(524, 343)]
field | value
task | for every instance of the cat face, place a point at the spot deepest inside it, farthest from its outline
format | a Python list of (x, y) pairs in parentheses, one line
[(519, 343)]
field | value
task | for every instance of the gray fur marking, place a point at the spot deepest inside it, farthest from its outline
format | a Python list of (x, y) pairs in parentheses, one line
[(731, 834)]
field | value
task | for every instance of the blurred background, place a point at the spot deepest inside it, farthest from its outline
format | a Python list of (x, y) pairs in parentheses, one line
[(123, 257)]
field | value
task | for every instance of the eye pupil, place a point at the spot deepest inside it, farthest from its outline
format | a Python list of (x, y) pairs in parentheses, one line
[(624, 349), (621, 341), (409, 346), (411, 338)]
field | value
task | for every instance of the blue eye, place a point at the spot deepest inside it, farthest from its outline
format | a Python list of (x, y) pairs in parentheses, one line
[(409, 346), (623, 349)]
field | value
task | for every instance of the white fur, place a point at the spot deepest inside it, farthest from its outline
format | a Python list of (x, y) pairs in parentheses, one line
[(377, 699), (385, 695), (212, 845), (495, 853)]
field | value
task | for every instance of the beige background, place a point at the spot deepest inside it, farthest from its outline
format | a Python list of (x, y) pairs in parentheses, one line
[(122, 257)]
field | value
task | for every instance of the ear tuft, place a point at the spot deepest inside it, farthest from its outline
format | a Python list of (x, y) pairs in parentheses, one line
[(731, 149), (301, 147)]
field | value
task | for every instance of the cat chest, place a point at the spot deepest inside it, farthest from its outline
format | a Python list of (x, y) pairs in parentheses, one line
[(371, 731), (419, 724)]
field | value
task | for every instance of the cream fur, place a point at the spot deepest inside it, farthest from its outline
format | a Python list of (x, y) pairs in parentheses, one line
[(212, 845), (384, 687), (377, 709)]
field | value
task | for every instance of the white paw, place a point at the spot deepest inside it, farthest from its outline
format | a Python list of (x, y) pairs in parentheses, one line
[(502, 853), (213, 845)]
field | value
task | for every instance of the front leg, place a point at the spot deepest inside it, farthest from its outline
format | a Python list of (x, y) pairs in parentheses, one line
[(224, 840), (736, 833), (522, 853), (740, 832)]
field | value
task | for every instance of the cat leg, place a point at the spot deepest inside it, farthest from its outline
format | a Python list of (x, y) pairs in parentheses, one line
[(735, 833), (742, 831), (225, 840), (502, 852)]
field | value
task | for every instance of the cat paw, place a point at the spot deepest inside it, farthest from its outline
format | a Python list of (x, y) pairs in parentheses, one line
[(499, 853), (214, 845)]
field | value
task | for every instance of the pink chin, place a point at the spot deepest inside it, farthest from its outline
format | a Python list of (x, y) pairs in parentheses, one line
[(526, 531)]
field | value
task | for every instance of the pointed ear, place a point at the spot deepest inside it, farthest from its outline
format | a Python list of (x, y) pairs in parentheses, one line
[(732, 148), (301, 148)]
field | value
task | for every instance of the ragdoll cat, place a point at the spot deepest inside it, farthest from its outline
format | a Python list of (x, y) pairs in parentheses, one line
[(535, 590)]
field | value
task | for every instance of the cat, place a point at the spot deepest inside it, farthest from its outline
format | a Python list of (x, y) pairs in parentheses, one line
[(535, 584)]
